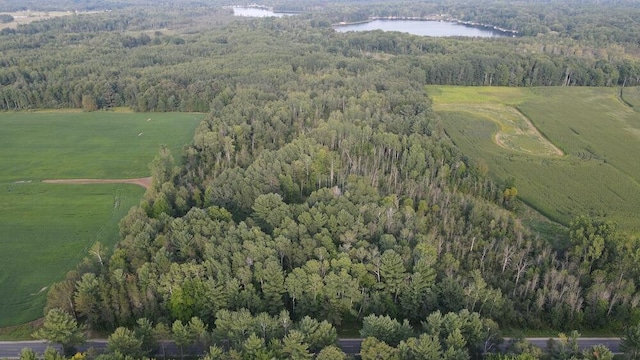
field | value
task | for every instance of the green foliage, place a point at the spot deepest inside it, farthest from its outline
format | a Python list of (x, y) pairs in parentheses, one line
[(630, 344), (322, 182), (61, 328), (145, 332), (235, 327), (462, 335), (52, 354), (190, 298), (6, 18), (293, 346), (455, 345), (592, 241), (89, 103), (125, 342), (28, 354), (182, 335), (511, 357), (597, 352), (386, 329), (318, 335), (331, 353), (564, 348), (421, 348), (393, 272), (566, 21), (254, 347), (373, 348), (521, 348), (214, 353)]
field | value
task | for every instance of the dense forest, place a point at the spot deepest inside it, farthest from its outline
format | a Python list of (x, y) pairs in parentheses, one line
[(321, 190), (138, 58)]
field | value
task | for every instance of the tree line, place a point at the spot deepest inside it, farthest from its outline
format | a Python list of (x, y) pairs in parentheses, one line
[(52, 64), (240, 335)]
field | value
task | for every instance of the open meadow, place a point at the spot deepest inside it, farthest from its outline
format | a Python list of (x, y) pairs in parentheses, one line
[(569, 150), (26, 17), (48, 228), (631, 96)]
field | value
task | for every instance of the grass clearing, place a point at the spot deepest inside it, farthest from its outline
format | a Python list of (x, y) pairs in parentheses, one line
[(105, 145), (47, 228), (26, 17), (20, 332), (598, 175), (631, 97), (514, 130)]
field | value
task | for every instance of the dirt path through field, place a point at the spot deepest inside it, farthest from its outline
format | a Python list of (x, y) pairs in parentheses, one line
[(144, 182)]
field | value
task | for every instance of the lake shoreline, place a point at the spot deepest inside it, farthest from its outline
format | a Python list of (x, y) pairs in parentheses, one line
[(435, 18)]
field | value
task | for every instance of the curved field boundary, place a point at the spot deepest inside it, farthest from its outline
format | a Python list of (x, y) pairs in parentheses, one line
[(516, 131), (144, 182)]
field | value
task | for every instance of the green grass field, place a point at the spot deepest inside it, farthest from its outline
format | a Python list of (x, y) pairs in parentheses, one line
[(47, 228), (631, 96), (595, 172)]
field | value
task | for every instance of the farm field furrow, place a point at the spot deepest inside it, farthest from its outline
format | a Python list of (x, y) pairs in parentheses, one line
[(48, 228), (599, 135)]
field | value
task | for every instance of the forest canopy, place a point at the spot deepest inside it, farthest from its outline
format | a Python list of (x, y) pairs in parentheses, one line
[(147, 56)]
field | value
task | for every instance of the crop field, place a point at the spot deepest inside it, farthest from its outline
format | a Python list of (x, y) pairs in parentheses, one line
[(26, 17), (48, 228), (571, 150), (631, 96)]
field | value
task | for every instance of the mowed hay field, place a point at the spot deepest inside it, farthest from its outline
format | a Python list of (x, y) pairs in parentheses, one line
[(46, 229), (571, 150)]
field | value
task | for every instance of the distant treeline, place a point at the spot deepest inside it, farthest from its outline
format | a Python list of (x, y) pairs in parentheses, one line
[(119, 59)]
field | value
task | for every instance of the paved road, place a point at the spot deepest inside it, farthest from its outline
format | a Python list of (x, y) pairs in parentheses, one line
[(350, 346), (11, 349), (583, 343)]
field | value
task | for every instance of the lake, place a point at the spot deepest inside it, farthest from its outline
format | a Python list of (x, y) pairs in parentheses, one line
[(423, 28), (256, 12)]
